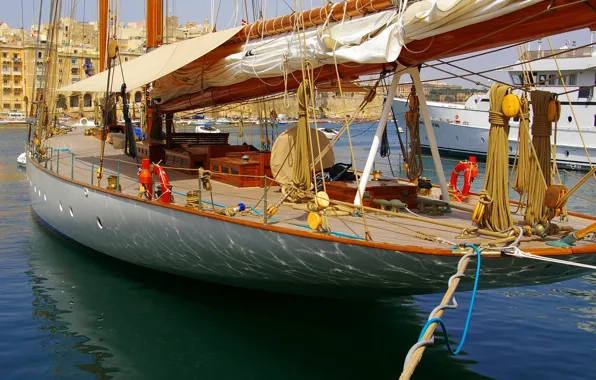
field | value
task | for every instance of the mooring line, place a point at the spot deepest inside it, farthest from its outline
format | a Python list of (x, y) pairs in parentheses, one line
[(427, 335)]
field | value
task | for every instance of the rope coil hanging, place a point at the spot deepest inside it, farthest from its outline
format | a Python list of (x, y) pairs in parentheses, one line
[(542, 130), (522, 180), (539, 170), (414, 166), (497, 214), (301, 169)]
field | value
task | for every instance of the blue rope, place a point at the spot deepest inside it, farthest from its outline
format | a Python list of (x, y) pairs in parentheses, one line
[(468, 319)]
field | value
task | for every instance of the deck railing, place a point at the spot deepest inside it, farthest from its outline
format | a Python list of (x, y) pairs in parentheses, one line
[(560, 53)]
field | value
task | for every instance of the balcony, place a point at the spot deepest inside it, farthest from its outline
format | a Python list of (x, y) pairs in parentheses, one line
[(16, 73), (7, 86), (5, 72), (17, 85)]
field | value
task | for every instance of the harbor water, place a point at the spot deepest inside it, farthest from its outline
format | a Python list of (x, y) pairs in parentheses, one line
[(69, 313)]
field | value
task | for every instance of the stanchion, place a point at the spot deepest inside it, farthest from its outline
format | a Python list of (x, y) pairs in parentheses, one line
[(265, 200)]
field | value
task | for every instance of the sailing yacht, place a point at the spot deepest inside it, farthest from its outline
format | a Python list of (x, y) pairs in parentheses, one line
[(251, 216), (462, 129)]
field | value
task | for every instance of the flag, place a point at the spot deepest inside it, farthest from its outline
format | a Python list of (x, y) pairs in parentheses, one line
[(244, 22)]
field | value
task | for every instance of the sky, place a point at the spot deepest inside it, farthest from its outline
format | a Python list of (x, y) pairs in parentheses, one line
[(14, 12)]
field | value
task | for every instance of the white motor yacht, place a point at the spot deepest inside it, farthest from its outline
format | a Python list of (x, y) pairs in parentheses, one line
[(462, 129)]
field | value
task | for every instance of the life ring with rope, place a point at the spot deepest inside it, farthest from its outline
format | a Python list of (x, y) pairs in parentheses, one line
[(470, 171), (166, 188)]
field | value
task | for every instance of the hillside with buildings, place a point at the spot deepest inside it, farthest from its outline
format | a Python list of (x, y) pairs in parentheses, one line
[(23, 62)]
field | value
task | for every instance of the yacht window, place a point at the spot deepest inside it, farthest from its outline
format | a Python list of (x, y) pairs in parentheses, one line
[(553, 80), (516, 79), (572, 80), (542, 80)]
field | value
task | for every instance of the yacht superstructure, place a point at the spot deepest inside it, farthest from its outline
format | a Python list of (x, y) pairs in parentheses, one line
[(462, 129)]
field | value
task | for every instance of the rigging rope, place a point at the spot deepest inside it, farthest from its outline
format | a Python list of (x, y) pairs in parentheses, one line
[(497, 215), (427, 335)]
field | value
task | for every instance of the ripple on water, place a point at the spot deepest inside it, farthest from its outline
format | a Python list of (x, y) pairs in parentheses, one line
[(68, 313)]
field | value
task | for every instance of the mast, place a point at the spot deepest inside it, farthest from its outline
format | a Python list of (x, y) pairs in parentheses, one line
[(154, 24), (103, 33), (159, 22), (154, 35)]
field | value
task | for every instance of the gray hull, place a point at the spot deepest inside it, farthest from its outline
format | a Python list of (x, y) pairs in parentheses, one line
[(209, 249)]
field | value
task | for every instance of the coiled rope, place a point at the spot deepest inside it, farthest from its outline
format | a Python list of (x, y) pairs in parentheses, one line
[(539, 170), (542, 129), (414, 166), (497, 215)]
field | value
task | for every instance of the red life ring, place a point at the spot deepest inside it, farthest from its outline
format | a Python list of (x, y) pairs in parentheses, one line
[(470, 170), (165, 183)]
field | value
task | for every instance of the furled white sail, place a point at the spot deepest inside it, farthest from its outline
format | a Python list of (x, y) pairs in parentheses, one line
[(176, 69), (375, 38)]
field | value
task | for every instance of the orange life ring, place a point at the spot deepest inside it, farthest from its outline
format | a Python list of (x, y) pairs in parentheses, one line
[(470, 170)]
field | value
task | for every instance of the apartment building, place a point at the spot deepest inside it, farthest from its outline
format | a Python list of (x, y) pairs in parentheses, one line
[(13, 95), (24, 67)]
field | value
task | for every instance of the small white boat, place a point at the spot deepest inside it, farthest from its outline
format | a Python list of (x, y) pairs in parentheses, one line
[(11, 118), (223, 120), (200, 122), (328, 132), (206, 129), (85, 123), (22, 159)]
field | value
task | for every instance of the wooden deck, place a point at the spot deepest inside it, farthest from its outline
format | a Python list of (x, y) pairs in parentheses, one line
[(383, 228)]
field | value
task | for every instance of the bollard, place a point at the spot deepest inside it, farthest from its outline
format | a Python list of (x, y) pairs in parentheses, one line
[(72, 159), (58, 163), (51, 160), (92, 169)]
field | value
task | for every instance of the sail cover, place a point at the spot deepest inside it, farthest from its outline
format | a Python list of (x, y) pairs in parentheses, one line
[(154, 65)]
